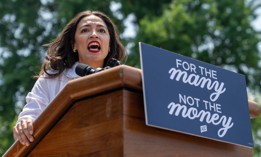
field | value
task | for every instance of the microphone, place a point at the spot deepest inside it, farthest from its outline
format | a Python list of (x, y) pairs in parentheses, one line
[(83, 69)]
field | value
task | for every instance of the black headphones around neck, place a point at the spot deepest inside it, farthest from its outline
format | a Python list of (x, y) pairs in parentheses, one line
[(83, 69)]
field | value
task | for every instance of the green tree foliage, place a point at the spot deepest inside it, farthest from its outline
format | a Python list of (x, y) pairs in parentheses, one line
[(19, 59), (218, 32)]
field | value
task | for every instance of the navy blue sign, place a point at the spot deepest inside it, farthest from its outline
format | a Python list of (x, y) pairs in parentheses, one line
[(189, 96)]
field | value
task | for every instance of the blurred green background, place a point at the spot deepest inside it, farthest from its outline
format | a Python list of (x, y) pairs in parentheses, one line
[(218, 32)]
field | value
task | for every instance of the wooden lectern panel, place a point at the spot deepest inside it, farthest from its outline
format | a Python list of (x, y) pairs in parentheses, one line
[(91, 127)]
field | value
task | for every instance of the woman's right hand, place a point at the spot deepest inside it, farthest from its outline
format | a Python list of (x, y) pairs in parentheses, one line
[(23, 131)]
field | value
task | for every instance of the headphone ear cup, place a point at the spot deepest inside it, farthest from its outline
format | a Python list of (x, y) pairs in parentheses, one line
[(114, 62)]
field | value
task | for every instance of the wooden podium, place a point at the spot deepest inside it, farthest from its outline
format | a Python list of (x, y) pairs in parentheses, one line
[(102, 115)]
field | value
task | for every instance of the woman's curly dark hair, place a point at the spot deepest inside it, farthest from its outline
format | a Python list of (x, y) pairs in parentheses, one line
[(60, 53)]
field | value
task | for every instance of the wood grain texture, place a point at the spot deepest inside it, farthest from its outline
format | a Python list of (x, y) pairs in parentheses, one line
[(91, 127)]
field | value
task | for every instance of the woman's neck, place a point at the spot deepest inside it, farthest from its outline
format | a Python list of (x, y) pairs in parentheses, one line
[(94, 65)]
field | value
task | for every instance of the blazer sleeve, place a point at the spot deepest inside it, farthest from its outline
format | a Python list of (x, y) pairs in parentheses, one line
[(36, 100)]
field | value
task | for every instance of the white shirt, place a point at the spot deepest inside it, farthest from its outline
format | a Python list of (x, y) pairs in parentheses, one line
[(44, 91)]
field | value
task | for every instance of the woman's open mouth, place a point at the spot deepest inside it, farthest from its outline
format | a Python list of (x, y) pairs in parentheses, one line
[(94, 47)]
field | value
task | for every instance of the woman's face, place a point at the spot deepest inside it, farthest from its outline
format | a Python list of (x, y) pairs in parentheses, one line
[(92, 41)]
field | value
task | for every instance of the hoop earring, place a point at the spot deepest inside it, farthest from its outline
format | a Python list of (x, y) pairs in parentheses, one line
[(74, 50)]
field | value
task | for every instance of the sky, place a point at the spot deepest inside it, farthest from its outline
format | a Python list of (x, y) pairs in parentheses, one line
[(257, 23)]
